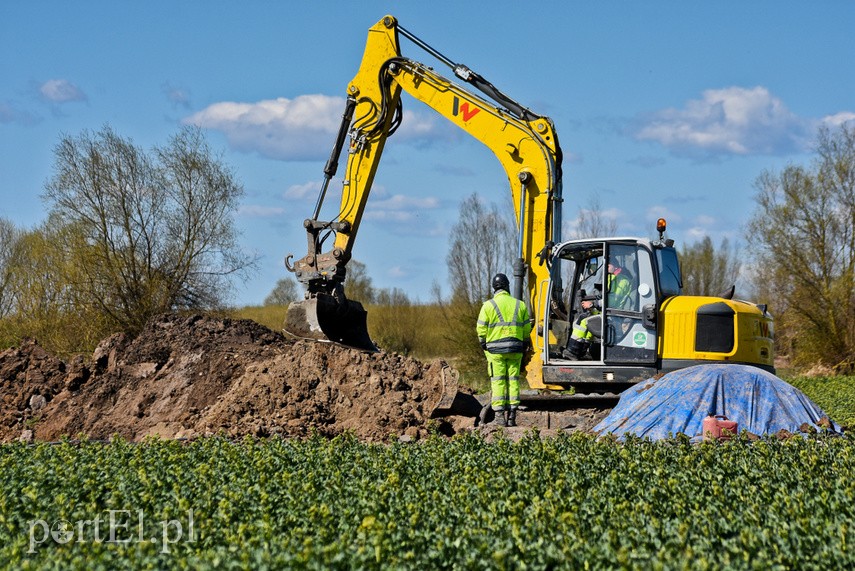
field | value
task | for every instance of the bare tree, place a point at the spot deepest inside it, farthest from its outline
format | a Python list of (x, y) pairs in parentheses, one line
[(707, 270), (593, 222), (158, 231), (284, 292), (394, 297), (803, 237), (482, 244), (357, 285)]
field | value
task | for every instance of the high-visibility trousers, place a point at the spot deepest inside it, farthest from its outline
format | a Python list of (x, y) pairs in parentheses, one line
[(580, 330), (504, 371)]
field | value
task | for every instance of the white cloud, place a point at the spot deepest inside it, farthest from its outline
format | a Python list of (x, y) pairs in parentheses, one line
[(10, 113), (303, 128), (290, 129), (258, 211), (398, 272), (705, 221), (703, 225), (733, 120), (60, 91), (657, 211), (302, 191), (417, 126), (838, 119), (695, 233)]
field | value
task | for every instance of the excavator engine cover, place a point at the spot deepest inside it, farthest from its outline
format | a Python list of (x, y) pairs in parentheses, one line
[(324, 318)]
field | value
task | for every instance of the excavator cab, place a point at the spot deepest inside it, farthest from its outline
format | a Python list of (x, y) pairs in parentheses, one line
[(641, 323), (611, 293)]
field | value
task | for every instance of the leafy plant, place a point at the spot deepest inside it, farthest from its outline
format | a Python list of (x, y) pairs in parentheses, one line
[(541, 503)]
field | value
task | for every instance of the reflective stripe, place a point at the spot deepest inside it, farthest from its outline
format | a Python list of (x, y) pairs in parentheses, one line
[(506, 345), (503, 318), (580, 327), (504, 373), (502, 323)]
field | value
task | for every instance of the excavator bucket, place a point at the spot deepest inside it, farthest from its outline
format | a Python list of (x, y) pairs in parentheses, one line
[(450, 386), (450, 400), (324, 318)]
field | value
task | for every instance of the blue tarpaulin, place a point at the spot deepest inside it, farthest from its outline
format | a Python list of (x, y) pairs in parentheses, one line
[(678, 403)]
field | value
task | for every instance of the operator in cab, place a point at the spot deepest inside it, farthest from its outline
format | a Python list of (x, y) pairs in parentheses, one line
[(619, 287), (503, 330)]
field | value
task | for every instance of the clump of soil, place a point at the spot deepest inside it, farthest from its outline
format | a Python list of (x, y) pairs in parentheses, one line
[(189, 376)]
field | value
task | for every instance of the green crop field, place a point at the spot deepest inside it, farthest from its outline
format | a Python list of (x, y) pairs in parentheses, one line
[(569, 502), (834, 395)]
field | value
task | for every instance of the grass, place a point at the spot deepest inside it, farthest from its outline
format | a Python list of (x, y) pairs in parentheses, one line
[(271, 316), (419, 331), (423, 332)]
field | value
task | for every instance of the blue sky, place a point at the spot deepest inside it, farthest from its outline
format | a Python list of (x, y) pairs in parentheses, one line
[(662, 108)]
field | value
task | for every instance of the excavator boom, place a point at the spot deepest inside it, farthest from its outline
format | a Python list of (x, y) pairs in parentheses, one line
[(524, 142)]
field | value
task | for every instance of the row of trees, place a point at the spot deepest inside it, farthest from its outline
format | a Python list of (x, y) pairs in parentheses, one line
[(803, 241), (131, 233)]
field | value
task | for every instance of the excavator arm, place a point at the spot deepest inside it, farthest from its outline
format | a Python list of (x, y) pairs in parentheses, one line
[(525, 144)]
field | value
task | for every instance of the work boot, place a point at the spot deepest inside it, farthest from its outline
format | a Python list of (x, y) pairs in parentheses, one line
[(512, 417), (500, 418), (575, 350)]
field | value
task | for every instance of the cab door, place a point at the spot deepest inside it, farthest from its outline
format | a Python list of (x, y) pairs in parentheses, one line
[(629, 305)]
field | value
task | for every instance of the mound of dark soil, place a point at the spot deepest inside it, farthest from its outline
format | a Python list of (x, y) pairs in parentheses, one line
[(192, 376)]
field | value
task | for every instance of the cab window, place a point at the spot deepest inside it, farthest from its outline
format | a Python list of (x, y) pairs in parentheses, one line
[(670, 279)]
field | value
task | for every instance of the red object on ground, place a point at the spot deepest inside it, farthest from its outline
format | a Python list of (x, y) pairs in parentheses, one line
[(714, 425)]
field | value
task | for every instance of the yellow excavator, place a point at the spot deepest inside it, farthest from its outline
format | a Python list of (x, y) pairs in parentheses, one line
[(653, 329)]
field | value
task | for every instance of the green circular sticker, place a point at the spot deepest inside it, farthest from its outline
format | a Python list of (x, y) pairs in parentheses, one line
[(640, 339)]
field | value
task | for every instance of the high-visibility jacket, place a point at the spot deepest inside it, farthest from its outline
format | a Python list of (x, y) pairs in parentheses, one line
[(503, 324), (619, 287)]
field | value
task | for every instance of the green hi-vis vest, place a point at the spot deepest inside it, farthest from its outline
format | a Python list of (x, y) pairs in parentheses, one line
[(504, 324), (619, 290)]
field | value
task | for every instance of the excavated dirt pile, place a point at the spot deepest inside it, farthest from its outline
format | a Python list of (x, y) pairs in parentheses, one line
[(184, 377)]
